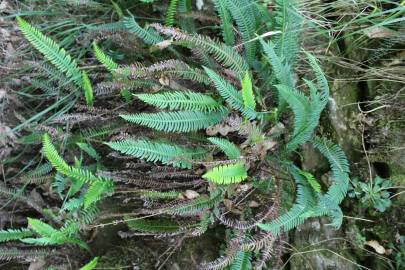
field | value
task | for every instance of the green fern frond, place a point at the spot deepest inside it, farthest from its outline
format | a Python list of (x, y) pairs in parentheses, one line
[(299, 212), (90, 265), (181, 100), (40, 227), (180, 121), (241, 11), (339, 166), (80, 175), (226, 22), (230, 94), (14, 234), (311, 181), (152, 226), (171, 12), (104, 59), (281, 70), (247, 92), (51, 51), (88, 90), (53, 156), (230, 149), (242, 261), (227, 174), (154, 151), (148, 35)]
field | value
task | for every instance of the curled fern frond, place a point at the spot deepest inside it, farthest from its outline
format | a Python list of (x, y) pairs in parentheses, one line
[(181, 100), (156, 151), (230, 149), (227, 174), (180, 121)]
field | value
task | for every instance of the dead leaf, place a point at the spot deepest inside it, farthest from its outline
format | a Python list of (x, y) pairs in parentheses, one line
[(161, 45), (191, 194), (254, 204), (376, 246)]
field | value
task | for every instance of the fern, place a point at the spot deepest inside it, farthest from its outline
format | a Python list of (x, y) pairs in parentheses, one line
[(196, 206), (14, 234), (90, 265), (152, 226), (230, 149), (230, 94), (243, 15), (227, 174), (180, 121), (299, 212), (339, 166), (242, 261), (81, 175), (51, 51), (13, 253), (155, 151), (247, 92), (88, 90), (104, 59), (148, 35), (171, 11), (152, 194), (179, 100), (226, 22), (311, 181), (221, 52)]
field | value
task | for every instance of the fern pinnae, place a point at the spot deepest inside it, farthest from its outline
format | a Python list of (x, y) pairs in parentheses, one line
[(51, 50), (104, 59), (179, 121), (227, 174), (171, 12), (14, 234), (247, 92), (230, 94), (148, 35), (88, 90), (226, 22), (181, 100), (241, 12), (230, 149), (157, 151)]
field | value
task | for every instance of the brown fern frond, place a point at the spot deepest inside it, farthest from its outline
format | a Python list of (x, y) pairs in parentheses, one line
[(219, 264), (29, 254), (245, 225)]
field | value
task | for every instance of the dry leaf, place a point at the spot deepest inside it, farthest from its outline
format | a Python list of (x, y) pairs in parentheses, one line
[(191, 194), (377, 247)]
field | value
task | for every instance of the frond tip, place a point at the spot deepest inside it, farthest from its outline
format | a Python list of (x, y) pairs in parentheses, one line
[(227, 174)]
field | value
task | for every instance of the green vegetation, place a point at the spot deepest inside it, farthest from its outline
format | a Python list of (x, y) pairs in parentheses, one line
[(166, 119)]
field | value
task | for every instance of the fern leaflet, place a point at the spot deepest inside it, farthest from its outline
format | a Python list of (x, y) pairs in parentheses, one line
[(230, 149), (227, 174)]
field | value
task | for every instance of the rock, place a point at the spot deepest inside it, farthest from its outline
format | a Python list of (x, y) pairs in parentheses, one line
[(315, 247)]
